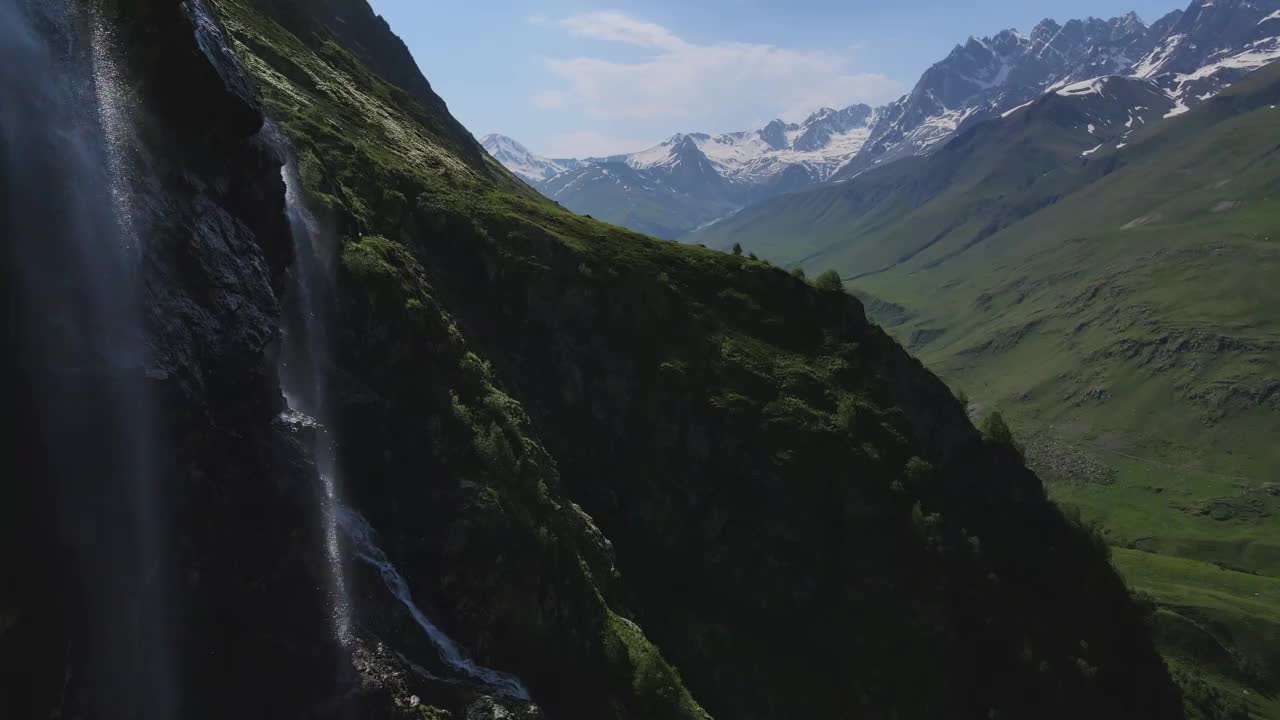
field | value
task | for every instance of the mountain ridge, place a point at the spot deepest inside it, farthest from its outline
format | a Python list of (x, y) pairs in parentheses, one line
[(1191, 54)]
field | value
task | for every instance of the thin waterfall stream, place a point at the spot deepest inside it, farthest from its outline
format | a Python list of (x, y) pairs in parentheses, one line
[(302, 378), (301, 372), (364, 542), (302, 369)]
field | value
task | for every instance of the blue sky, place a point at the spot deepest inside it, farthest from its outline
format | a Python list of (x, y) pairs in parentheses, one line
[(577, 78)]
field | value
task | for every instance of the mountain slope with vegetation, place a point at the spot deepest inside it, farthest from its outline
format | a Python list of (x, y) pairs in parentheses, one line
[(1104, 277), (1108, 249), (800, 520)]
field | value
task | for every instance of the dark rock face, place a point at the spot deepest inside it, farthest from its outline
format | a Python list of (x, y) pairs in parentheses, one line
[(775, 133)]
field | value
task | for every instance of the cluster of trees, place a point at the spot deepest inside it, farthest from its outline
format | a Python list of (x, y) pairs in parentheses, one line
[(829, 280)]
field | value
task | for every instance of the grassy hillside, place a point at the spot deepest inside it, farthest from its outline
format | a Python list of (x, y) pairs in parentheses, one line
[(1220, 629), (1136, 319), (1136, 314), (656, 480)]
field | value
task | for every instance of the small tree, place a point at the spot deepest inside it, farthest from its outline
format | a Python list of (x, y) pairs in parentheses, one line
[(996, 429), (847, 413), (829, 280), (752, 256), (737, 248), (798, 274)]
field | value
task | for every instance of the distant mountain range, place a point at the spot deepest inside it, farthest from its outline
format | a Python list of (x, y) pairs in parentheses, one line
[(695, 179)]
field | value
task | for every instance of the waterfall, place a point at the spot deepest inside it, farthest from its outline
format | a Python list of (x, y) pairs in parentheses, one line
[(302, 378), (301, 368), (364, 542), (68, 218), (302, 374)]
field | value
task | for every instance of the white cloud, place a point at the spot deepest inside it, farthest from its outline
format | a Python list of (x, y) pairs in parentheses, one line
[(551, 100), (708, 86), (590, 144), (619, 27)]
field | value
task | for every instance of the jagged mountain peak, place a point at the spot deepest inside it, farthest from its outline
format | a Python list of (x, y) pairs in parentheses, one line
[(775, 134), (1196, 53), (1191, 54), (1130, 21), (1045, 30), (502, 142), (519, 160)]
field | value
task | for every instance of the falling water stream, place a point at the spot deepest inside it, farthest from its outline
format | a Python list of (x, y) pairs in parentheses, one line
[(302, 371), (364, 542), (68, 215), (302, 376)]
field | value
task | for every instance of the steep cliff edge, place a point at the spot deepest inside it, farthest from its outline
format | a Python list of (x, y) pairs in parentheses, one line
[(801, 517)]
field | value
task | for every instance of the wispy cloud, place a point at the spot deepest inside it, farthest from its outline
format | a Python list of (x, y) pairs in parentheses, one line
[(619, 27), (702, 84), (590, 144)]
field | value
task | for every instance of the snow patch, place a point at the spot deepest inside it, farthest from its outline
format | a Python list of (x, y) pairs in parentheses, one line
[(1179, 108), (1092, 86), (1260, 53), (1151, 64), (1007, 113)]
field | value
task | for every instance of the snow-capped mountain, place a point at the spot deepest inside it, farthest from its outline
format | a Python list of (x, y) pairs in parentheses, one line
[(1213, 44), (520, 161), (987, 77), (823, 142), (1191, 54), (1148, 72), (693, 178)]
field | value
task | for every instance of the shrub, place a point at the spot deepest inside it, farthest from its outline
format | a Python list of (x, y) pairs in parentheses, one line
[(918, 472), (798, 273), (847, 413), (829, 280)]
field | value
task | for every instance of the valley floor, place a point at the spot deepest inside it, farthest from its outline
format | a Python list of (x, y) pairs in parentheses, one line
[(1200, 537)]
